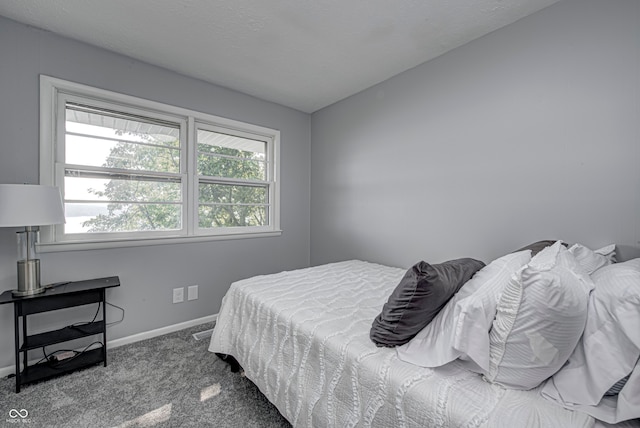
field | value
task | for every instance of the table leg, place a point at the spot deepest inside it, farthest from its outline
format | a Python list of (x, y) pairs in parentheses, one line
[(17, 344)]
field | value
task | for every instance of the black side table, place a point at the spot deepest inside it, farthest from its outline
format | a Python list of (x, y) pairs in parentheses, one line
[(62, 296)]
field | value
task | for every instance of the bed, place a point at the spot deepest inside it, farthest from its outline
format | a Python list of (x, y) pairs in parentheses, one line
[(302, 337)]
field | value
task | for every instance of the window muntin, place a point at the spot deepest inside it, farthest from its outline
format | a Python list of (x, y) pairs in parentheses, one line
[(132, 169)]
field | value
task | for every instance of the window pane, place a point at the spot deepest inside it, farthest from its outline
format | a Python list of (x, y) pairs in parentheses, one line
[(133, 190), (112, 217), (77, 214), (112, 124), (221, 155), (215, 142), (82, 150), (115, 140), (232, 194), (212, 216), (232, 205), (214, 166)]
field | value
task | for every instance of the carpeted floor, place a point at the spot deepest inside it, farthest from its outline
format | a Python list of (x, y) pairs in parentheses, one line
[(167, 381)]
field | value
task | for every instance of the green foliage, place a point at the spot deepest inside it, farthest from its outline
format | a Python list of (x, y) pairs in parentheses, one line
[(221, 204), (224, 205)]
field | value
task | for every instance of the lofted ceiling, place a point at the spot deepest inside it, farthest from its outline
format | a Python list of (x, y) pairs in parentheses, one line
[(304, 54)]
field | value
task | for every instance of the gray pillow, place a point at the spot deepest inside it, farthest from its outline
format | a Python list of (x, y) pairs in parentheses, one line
[(418, 298)]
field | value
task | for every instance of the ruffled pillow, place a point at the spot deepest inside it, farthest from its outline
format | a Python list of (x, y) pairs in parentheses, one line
[(540, 318), (591, 260), (608, 351)]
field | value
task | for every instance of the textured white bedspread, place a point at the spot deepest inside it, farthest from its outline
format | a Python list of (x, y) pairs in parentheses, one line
[(303, 338)]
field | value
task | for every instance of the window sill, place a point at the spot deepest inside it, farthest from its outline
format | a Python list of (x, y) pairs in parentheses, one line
[(55, 247)]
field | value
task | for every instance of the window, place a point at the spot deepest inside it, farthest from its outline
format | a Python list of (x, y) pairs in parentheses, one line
[(133, 171), (233, 183)]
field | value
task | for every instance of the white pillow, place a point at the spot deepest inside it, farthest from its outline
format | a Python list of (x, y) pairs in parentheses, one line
[(540, 318), (608, 351), (608, 251), (461, 328), (591, 260)]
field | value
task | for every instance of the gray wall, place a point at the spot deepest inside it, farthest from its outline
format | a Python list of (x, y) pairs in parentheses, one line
[(531, 132), (148, 274)]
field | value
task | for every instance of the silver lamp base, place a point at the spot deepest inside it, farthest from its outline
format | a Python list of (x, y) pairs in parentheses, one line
[(28, 278)]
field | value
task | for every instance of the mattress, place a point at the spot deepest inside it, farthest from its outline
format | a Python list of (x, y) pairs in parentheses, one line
[(303, 338)]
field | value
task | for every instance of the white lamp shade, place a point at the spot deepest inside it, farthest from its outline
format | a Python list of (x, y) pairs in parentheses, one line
[(30, 205)]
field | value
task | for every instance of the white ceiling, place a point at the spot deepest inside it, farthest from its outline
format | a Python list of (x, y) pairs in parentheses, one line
[(304, 54)]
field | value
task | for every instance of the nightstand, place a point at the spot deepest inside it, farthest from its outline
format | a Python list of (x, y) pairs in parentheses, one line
[(62, 296)]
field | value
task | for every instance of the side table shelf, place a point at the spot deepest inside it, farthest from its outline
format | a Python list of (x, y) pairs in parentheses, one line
[(62, 335), (63, 296), (44, 370)]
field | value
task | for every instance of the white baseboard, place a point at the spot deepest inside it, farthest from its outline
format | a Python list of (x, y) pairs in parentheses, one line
[(6, 371), (160, 331)]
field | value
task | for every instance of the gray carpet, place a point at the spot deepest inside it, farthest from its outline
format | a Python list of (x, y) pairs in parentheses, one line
[(167, 381)]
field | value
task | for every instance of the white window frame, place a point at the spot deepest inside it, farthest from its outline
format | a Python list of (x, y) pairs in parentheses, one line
[(55, 92)]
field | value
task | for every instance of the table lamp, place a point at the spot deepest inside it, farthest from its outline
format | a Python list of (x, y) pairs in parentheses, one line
[(29, 206)]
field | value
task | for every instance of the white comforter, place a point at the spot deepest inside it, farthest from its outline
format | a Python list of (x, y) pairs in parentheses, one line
[(303, 338)]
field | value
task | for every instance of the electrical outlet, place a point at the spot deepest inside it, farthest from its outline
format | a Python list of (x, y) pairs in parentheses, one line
[(178, 295), (192, 292)]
